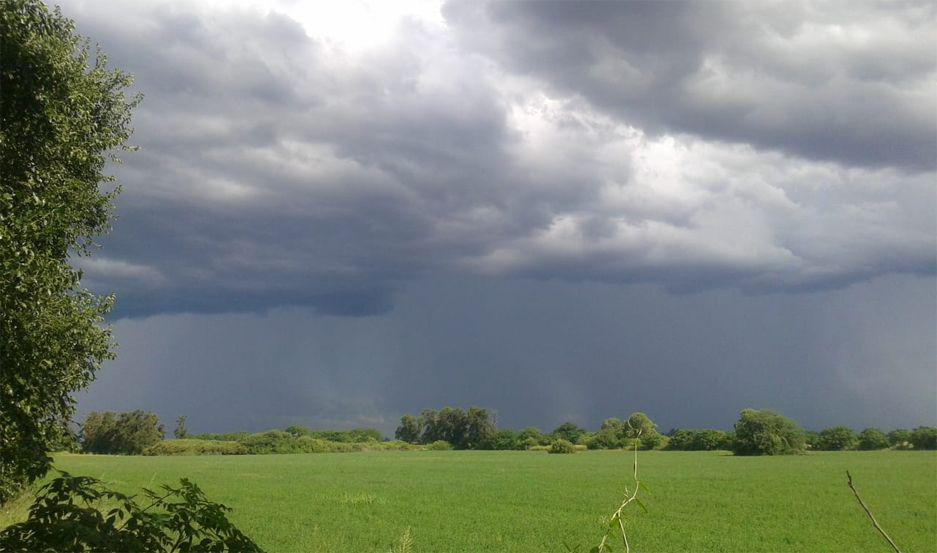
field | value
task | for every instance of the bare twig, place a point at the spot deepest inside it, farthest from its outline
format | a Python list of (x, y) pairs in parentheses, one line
[(868, 512)]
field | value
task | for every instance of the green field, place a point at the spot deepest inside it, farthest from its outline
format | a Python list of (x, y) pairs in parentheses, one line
[(530, 501)]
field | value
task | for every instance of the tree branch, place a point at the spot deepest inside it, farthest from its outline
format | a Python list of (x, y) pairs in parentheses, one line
[(868, 512)]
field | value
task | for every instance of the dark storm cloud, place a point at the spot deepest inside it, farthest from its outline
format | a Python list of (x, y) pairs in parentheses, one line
[(278, 169), (852, 82)]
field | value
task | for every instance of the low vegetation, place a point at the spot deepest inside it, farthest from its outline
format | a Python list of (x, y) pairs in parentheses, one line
[(69, 515), (484, 501)]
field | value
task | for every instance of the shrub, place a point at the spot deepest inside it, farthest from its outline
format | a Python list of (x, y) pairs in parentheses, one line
[(439, 445), (68, 515), (561, 446), (872, 438), (190, 446), (120, 433), (607, 438), (837, 438), (766, 433), (924, 437), (652, 440)]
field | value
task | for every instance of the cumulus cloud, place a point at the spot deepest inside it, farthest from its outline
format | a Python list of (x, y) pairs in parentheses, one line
[(691, 145), (842, 81)]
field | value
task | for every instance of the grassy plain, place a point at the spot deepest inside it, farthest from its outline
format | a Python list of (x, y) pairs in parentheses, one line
[(530, 501)]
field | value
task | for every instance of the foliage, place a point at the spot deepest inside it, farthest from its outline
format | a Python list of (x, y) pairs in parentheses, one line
[(504, 440), (472, 429), (62, 116), (562, 446), (229, 437), (837, 438), (439, 445), (180, 431), (534, 434), (567, 431), (639, 425), (699, 440), (189, 446), (120, 433), (766, 433), (355, 435), (899, 438), (872, 438), (924, 437), (409, 429), (66, 516)]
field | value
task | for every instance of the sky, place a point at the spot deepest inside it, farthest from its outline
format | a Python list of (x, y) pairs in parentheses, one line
[(343, 212)]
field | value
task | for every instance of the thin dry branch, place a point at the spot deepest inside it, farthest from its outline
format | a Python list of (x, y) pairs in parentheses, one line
[(868, 512)]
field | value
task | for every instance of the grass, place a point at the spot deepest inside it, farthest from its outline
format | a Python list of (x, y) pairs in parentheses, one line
[(531, 501)]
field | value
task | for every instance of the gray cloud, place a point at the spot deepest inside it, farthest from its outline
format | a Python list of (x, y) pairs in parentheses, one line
[(558, 211), (843, 81), (278, 169)]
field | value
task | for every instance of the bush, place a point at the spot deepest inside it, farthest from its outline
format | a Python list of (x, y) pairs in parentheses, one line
[(190, 446), (872, 438), (766, 433), (439, 445), (924, 437), (837, 438), (561, 446), (69, 515), (120, 433), (699, 440)]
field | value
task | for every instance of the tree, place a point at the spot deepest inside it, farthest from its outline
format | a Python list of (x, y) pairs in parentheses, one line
[(766, 433), (121, 433), (479, 428), (180, 431), (61, 117), (837, 438), (568, 431), (899, 438), (924, 437), (872, 438), (409, 430), (639, 425)]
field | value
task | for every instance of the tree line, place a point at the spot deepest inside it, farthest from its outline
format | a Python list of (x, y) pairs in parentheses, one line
[(755, 433)]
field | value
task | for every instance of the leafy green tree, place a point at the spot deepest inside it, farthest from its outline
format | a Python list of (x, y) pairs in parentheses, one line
[(479, 429), (429, 424), (121, 433), (62, 116), (409, 430), (531, 433), (567, 431), (872, 438), (924, 437), (837, 438), (180, 432), (639, 425), (766, 433), (899, 438)]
